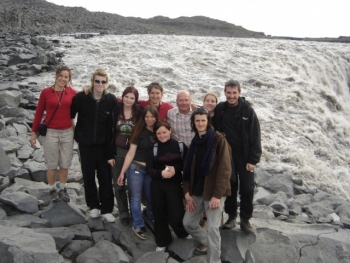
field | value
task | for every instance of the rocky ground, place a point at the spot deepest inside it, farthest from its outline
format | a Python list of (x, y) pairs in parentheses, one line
[(293, 223)]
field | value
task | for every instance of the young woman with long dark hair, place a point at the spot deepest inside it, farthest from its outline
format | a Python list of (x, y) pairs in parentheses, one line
[(135, 168)]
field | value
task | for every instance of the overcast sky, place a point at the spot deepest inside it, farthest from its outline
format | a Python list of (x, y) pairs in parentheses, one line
[(294, 18)]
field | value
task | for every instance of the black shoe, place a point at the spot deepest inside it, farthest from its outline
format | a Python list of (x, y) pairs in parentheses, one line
[(125, 221), (62, 193), (202, 250), (246, 227), (230, 223)]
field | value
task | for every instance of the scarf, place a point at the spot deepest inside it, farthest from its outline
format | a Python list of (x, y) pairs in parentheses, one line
[(208, 138)]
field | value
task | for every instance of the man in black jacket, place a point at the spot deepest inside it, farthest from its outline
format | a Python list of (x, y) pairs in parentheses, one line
[(93, 133), (237, 119)]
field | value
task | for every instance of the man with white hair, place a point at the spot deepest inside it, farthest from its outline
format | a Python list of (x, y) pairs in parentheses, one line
[(180, 118)]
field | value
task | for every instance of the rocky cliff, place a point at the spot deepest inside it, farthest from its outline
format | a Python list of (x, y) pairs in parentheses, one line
[(46, 18)]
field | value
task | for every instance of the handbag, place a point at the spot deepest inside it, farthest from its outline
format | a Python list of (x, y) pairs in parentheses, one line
[(42, 126), (42, 129)]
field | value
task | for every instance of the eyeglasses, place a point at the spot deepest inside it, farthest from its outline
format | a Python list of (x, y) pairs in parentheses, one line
[(100, 81)]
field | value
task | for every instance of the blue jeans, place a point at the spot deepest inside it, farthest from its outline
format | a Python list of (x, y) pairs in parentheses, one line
[(138, 180)]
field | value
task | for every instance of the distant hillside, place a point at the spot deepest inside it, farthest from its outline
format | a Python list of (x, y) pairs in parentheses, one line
[(41, 17), (44, 17)]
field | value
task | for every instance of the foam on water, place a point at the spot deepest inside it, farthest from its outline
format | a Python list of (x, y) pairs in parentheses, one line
[(300, 90)]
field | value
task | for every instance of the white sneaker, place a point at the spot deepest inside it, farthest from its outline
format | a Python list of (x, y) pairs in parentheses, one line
[(189, 237), (94, 213), (108, 217), (160, 249)]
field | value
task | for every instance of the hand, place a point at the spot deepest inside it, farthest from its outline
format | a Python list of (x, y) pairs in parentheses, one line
[(111, 162), (167, 173), (120, 180), (32, 139), (190, 204), (250, 167), (214, 203), (86, 91), (171, 169)]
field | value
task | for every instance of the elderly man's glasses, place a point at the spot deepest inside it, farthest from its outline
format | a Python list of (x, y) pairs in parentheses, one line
[(100, 81)]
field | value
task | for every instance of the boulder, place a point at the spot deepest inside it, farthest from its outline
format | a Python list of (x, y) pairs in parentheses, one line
[(24, 245), (75, 247), (5, 163), (61, 213), (22, 201), (61, 235), (28, 221), (104, 251)]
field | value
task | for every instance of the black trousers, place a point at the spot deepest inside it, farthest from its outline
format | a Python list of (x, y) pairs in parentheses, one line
[(246, 190), (94, 163), (168, 209)]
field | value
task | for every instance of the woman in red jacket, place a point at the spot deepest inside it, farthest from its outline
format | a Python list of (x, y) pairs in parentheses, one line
[(155, 94), (58, 142)]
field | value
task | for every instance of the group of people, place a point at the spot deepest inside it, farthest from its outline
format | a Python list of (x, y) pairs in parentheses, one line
[(187, 161)]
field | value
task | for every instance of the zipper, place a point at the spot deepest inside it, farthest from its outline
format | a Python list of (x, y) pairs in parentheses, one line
[(96, 117)]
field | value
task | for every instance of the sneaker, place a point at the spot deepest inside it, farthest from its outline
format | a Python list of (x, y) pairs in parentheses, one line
[(62, 193), (189, 237), (202, 250), (53, 193), (230, 223), (245, 226), (94, 213), (125, 221), (160, 249), (140, 233), (108, 217)]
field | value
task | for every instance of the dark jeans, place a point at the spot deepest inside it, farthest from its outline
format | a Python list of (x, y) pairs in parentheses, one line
[(246, 190), (94, 163), (120, 191), (168, 209)]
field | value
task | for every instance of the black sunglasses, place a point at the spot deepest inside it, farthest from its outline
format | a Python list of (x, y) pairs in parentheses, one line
[(100, 81)]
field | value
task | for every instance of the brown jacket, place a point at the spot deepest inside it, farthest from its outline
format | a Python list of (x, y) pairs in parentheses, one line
[(217, 182)]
